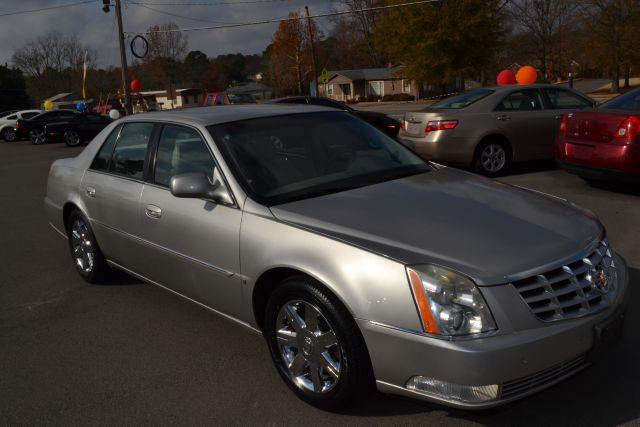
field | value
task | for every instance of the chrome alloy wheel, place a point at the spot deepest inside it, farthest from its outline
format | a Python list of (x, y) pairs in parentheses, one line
[(308, 346), (37, 137), (493, 158), (83, 253), (71, 138)]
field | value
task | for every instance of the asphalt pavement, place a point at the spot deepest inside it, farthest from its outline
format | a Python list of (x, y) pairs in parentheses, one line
[(132, 353)]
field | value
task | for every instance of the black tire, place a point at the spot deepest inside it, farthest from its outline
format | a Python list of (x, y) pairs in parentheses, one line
[(355, 375), (9, 135), (96, 271), (72, 138), (482, 162)]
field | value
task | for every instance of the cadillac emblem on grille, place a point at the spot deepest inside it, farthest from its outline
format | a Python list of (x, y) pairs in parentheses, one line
[(601, 277)]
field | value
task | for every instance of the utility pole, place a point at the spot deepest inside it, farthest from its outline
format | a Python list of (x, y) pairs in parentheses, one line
[(123, 61), (313, 52)]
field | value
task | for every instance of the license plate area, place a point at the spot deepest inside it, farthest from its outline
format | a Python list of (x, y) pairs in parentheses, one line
[(413, 128), (607, 333), (581, 152)]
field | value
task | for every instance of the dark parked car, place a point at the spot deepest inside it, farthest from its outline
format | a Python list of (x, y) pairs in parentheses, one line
[(603, 144), (76, 131), (33, 128), (380, 120)]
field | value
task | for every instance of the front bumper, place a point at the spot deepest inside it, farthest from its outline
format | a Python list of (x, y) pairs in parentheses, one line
[(520, 362)]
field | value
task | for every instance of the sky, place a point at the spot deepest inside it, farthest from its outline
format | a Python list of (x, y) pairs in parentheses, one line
[(98, 29)]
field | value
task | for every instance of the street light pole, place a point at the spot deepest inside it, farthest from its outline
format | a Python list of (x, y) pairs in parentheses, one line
[(313, 52), (123, 61)]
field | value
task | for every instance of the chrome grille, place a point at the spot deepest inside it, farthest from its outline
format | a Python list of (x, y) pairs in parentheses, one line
[(571, 290), (541, 378)]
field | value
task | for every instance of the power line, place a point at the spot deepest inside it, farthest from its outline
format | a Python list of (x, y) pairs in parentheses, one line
[(178, 16), (295, 18), (41, 9), (220, 3)]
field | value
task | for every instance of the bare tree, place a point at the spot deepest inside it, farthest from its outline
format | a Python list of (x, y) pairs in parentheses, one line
[(172, 44), (546, 21), (360, 27), (53, 63)]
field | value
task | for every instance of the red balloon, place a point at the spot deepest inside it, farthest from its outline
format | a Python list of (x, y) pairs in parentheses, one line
[(506, 77), (136, 85)]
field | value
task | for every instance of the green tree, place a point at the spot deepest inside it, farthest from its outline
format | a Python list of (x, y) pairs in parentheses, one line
[(13, 93), (444, 41)]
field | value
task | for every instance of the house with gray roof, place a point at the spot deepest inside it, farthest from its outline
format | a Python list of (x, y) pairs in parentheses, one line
[(346, 85)]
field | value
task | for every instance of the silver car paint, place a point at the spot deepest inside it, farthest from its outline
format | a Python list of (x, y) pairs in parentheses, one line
[(344, 242), (531, 134)]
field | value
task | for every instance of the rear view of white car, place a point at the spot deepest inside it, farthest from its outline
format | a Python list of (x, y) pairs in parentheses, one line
[(8, 123)]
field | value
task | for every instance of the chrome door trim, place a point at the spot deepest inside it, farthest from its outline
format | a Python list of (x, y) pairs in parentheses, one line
[(212, 267), (145, 279)]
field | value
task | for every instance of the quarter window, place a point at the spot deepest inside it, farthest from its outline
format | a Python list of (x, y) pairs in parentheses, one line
[(29, 115), (563, 99), (11, 117), (522, 100), (101, 161), (131, 149), (181, 150)]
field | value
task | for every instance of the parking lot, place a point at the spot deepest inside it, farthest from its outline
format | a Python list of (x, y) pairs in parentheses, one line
[(132, 353)]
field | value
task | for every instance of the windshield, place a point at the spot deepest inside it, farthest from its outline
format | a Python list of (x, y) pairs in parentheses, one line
[(628, 101), (241, 98), (297, 156), (461, 100)]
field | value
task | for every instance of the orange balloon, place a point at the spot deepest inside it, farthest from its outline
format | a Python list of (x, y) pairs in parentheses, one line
[(526, 75)]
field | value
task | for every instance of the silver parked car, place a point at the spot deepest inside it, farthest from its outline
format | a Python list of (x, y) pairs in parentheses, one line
[(360, 263), (489, 128)]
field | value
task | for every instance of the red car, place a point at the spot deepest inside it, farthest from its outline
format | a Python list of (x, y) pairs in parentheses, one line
[(602, 144)]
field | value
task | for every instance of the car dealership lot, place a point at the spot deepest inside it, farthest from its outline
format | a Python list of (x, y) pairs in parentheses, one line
[(133, 353)]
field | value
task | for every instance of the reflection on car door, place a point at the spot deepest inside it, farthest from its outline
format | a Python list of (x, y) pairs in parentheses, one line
[(193, 244), (111, 190), (529, 127)]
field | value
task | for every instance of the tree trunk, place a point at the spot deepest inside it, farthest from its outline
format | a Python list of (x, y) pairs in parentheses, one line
[(615, 81), (627, 75)]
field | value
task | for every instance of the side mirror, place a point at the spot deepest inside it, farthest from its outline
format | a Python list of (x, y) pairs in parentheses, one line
[(196, 185)]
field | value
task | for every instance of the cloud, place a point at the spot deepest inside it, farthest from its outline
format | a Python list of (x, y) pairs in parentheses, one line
[(97, 29)]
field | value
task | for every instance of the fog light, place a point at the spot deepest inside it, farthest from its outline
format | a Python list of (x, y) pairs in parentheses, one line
[(453, 392)]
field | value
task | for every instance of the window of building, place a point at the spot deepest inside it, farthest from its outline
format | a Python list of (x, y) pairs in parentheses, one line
[(375, 88), (406, 86)]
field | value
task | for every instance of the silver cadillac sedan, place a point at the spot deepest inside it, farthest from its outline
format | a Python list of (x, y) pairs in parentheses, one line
[(361, 264)]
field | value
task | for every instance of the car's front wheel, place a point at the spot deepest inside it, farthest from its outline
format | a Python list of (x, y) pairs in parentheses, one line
[(71, 138), (492, 158), (85, 252), (9, 135), (316, 345)]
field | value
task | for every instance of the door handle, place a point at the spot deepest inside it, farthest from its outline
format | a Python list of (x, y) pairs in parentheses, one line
[(153, 211), (91, 192), (503, 117)]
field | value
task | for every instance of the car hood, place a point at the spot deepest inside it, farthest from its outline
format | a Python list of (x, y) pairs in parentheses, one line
[(485, 229)]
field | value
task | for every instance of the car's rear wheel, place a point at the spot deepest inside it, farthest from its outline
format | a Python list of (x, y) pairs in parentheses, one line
[(71, 138), (316, 345), (37, 136), (85, 252), (9, 135), (492, 158)]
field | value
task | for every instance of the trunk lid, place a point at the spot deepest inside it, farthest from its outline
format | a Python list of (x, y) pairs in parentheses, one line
[(414, 123), (595, 127)]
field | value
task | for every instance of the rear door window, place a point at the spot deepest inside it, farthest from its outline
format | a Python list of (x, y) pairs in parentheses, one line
[(131, 149), (562, 99), (521, 100), (103, 158)]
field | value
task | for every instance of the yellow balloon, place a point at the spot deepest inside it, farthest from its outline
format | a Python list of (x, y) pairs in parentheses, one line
[(48, 105)]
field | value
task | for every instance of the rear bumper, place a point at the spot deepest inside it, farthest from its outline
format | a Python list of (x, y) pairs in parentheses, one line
[(442, 147), (599, 173), (520, 363)]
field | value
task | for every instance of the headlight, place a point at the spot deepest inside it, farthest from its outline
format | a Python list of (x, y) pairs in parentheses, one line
[(449, 303)]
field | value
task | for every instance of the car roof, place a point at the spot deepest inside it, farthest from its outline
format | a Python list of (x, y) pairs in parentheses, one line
[(517, 86), (226, 113)]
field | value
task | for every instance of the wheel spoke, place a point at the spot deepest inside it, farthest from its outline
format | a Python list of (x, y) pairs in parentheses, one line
[(294, 318), (327, 362), (314, 371), (298, 364), (327, 339), (288, 338), (310, 318)]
